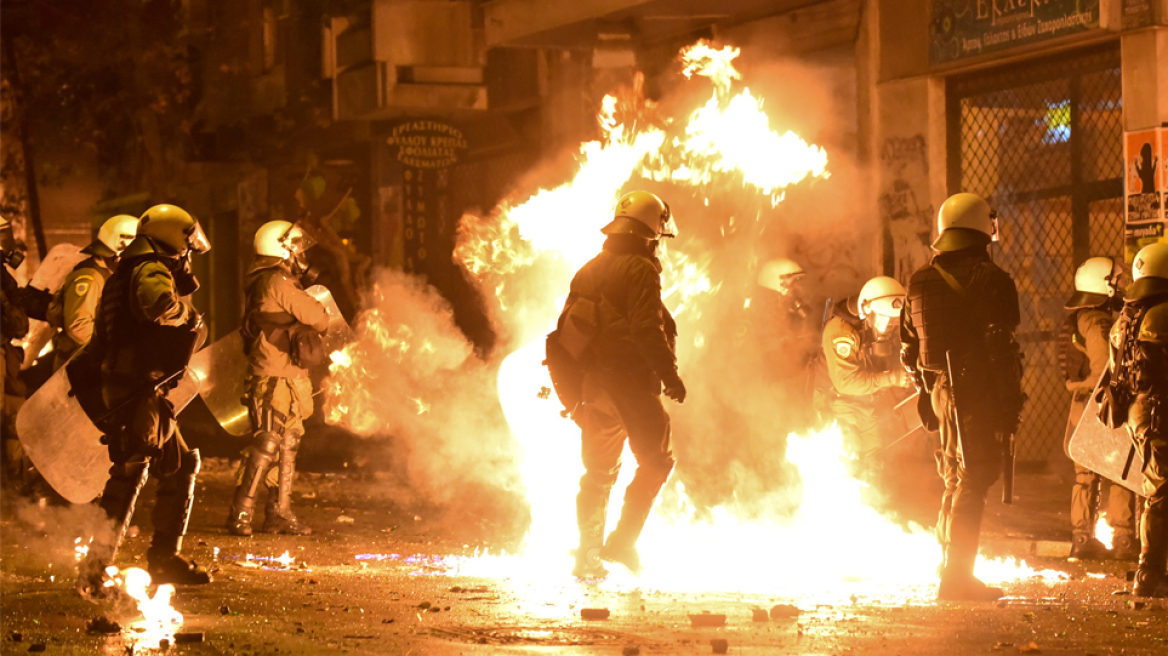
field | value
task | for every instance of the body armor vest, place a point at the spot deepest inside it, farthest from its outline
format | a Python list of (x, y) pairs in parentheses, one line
[(1134, 372), (945, 319), (1073, 361), (133, 351)]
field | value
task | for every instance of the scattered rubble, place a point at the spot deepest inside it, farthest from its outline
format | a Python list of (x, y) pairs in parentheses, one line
[(720, 645), (784, 610), (102, 624), (188, 637), (707, 619), (631, 651), (594, 613), (759, 615)]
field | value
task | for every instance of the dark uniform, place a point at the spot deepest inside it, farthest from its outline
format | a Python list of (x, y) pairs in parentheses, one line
[(627, 365), (144, 335), (1138, 390), (860, 366), (1084, 356), (13, 326), (279, 392), (964, 306), (74, 306)]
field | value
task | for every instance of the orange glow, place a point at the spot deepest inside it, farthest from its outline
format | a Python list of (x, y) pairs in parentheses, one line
[(523, 256)]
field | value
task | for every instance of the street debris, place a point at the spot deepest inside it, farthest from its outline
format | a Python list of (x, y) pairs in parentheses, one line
[(594, 613), (345, 519), (1031, 648), (631, 651), (784, 610), (102, 624), (720, 645), (707, 619), (759, 615), (188, 637)]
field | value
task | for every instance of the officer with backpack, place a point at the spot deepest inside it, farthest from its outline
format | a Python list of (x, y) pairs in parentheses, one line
[(616, 328), (1083, 356)]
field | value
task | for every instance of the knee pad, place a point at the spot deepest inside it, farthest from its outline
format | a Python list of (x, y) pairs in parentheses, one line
[(266, 443)]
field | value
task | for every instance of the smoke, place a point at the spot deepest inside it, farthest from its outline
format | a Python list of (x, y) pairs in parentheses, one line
[(44, 538), (413, 376)]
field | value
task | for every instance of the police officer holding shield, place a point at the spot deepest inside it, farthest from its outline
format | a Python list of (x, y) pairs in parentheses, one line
[(279, 323), (1135, 397), (144, 334), (957, 334)]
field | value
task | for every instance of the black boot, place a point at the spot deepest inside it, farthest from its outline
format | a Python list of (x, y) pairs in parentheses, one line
[(1125, 546), (618, 548), (263, 451), (1086, 547), (165, 565), (118, 501), (591, 514), (172, 511), (1151, 579), (283, 520)]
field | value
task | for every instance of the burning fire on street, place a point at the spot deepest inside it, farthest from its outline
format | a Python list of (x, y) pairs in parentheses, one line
[(726, 171)]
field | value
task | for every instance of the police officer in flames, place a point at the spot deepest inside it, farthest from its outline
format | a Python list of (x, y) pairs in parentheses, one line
[(626, 365), (279, 324), (74, 306), (863, 357), (1083, 355), (957, 334), (144, 334), (1135, 396)]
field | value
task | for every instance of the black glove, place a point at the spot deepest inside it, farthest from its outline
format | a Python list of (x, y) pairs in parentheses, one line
[(675, 389)]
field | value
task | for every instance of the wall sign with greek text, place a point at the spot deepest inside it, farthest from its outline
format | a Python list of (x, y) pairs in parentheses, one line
[(967, 28)]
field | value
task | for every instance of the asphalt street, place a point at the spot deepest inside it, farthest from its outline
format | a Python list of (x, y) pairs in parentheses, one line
[(383, 575)]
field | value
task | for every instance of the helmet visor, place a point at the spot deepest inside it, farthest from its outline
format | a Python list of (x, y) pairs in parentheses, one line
[(197, 239), (296, 240)]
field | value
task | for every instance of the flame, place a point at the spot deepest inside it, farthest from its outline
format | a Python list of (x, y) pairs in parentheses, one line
[(159, 620), (1104, 532), (80, 551), (523, 256)]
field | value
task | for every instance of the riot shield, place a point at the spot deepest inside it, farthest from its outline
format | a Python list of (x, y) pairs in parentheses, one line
[(222, 367), (56, 427), (1106, 451)]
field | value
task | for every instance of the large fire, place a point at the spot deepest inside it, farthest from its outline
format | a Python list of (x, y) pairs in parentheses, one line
[(724, 154)]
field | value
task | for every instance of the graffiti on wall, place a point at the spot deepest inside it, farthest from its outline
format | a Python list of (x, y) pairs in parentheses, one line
[(905, 213)]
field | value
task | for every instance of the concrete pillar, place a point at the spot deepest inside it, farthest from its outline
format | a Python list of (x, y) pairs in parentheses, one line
[(1145, 78)]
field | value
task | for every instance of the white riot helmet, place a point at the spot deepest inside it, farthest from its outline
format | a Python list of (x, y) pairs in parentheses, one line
[(117, 232), (1151, 262), (779, 274), (881, 299), (639, 213), (965, 220), (281, 239), (1098, 275)]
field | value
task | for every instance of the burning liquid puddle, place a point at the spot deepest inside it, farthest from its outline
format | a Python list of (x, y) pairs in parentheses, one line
[(834, 548), (157, 620)]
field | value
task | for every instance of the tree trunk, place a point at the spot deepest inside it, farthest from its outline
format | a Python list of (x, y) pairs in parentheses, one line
[(33, 213)]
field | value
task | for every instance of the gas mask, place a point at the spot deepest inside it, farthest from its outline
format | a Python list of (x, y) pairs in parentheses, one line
[(185, 282)]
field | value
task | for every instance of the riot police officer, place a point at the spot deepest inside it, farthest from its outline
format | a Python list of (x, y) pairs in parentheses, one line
[(626, 364), (280, 316), (13, 326), (75, 304), (786, 337), (1083, 357), (862, 355), (957, 334), (144, 335), (1135, 397)]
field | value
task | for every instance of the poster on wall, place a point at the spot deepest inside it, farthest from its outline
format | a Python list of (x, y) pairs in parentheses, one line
[(1145, 182), (427, 149), (967, 28)]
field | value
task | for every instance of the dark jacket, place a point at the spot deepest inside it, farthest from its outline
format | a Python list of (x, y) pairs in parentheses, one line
[(627, 276)]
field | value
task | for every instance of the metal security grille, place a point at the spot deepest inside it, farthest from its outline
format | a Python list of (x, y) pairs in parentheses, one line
[(1043, 143)]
